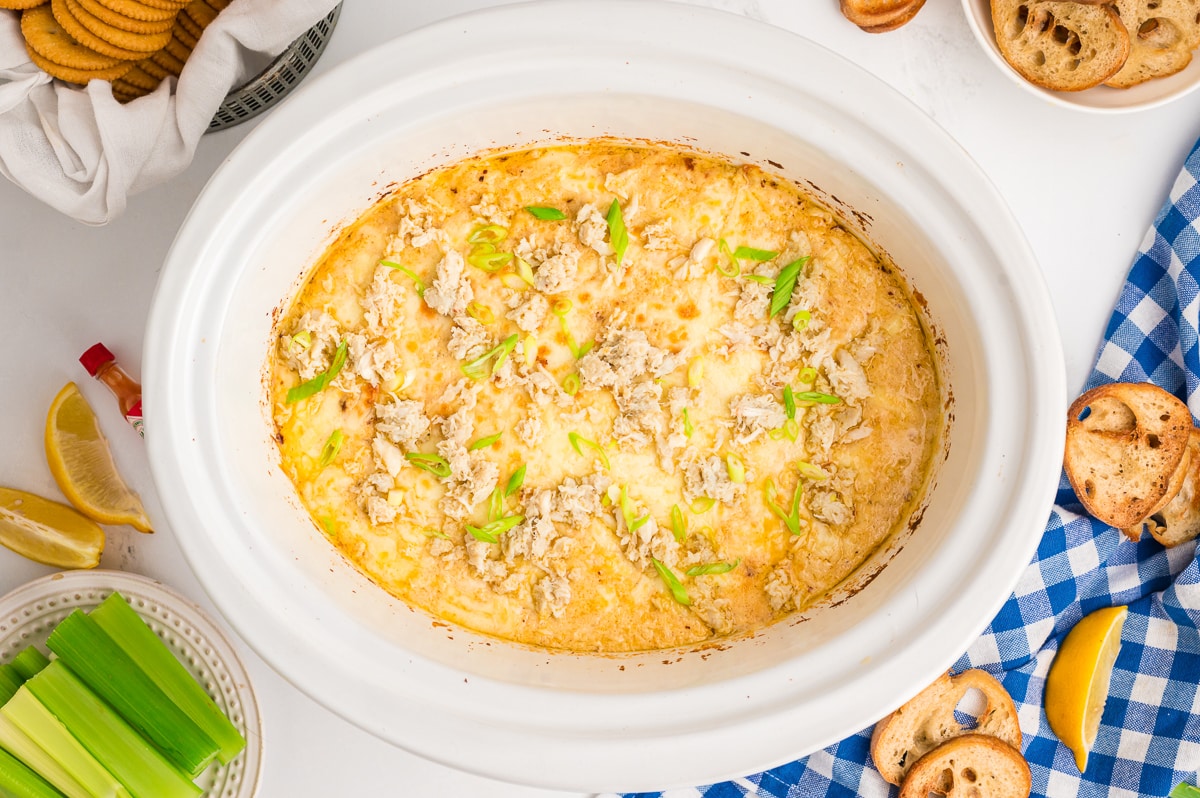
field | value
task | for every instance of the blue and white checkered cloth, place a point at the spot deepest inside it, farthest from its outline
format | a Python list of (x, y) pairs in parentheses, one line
[(1149, 736)]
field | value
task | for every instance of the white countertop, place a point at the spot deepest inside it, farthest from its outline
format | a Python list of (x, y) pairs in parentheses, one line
[(1084, 188)]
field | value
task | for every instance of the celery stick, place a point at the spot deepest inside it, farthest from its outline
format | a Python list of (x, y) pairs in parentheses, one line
[(30, 661), (103, 666), (121, 750), (126, 627), (10, 682), (31, 717), (22, 746), (18, 781)]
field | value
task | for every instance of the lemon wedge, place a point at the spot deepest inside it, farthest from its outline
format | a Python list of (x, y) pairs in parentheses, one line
[(48, 532), (1077, 685), (83, 465)]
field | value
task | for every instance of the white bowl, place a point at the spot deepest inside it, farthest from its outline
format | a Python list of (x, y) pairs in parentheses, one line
[(1101, 99), (522, 74)]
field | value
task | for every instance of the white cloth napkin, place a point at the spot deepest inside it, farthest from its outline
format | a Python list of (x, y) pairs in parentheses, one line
[(80, 151)]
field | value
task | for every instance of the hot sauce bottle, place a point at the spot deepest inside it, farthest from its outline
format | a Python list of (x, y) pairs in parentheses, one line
[(102, 365)]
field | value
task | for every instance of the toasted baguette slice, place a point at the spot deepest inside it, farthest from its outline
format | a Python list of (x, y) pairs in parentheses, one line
[(1122, 456), (1162, 34), (880, 13), (1063, 46), (971, 766), (1179, 521), (927, 721), (896, 23)]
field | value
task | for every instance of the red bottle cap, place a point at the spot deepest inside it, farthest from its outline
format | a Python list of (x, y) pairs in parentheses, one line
[(96, 357)]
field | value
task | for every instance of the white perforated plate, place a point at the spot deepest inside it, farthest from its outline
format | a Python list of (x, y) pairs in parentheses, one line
[(29, 613)]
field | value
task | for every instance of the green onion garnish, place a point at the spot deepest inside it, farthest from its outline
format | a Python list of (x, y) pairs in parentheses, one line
[(702, 504), (789, 401), (484, 256), (760, 278), (790, 517), (546, 214), (488, 234), (695, 372), (485, 442), (561, 306), (785, 283), (302, 339), (678, 524), (735, 467), (750, 253), (800, 320), (433, 463), (480, 312), (515, 481), (791, 429), (576, 439), (811, 471), (420, 286), (618, 236), (496, 504), (713, 568), (673, 583), (808, 375), (318, 383), (631, 523), (818, 397), (492, 530), (733, 269), (477, 368), (570, 384), (327, 522), (524, 271), (688, 429), (331, 448)]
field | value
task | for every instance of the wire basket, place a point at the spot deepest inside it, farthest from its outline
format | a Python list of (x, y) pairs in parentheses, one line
[(277, 80)]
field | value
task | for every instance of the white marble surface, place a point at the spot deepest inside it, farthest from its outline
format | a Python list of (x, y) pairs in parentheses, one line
[(1084, 188)]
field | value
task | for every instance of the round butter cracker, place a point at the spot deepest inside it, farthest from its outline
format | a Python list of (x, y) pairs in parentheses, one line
[(44, 36), (168, 61), (178, 49), (88, 39), (141, 78), (122, 22), (201, 13), (134, 42), (188, 25), (183, 35), (133, 9), (21, 5), (80, 76)]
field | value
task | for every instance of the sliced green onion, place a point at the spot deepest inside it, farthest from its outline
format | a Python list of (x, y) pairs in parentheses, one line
[(491, 531), (580, 351), (618, 236), (576, 439), (524, 271), (512, 281), (736, 467), (790, 517), (791, 429), (126, 627), (713, 568), (302, 339), (485, 442), (760, 278), (702, 504), (328, 524), (496, 504), (750, 253), (484, 256), (818, 397), (477, 368), (785, 283), (678, 592), (433, 463), (515, 481), (810, 471), (570, 384), (733, 268), (105, 667), (331, 448), (631, 523), (29, 662), (530, 347), (116, 746), (688, 429), (695, 372), (789, 401), (800, 320), (546, 214), (430, 532), (808, 375), (480, 312), (317, 384), (488, 234), (420, 286), (678, 524), (561, 307)]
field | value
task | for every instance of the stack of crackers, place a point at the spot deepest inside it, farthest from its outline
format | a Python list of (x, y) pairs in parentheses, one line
[(136, 44)]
